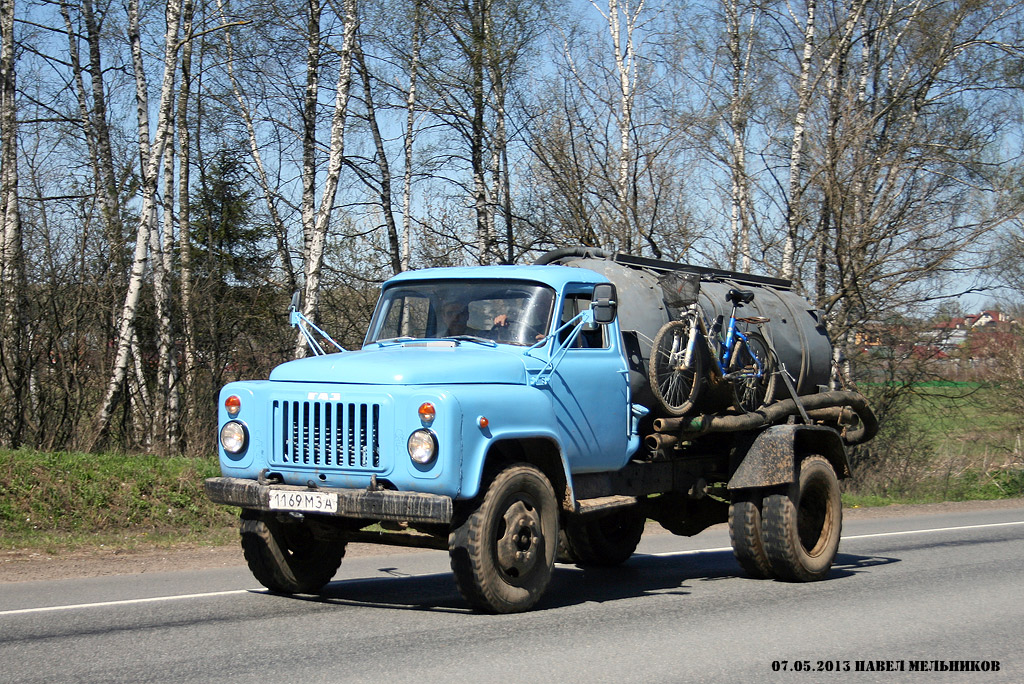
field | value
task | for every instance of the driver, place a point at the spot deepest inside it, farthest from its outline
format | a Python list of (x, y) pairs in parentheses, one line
[(455, 320)]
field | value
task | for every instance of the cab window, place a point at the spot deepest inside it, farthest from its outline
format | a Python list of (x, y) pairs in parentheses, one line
[(592, 338)]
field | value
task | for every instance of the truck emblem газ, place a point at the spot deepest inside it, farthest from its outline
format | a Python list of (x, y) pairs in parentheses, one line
[(518, 414)]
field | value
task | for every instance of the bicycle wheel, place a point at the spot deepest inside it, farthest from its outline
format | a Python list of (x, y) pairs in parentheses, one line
[(676, 386), (753, 388)]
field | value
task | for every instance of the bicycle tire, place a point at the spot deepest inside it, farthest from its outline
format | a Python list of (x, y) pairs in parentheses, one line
[(675, 388), (751, 393)]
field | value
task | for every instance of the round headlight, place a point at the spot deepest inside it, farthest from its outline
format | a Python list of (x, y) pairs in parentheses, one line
[(422, 446), (233, 437)]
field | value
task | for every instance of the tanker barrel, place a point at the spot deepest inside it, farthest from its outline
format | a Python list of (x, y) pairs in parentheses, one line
[(651, 293)]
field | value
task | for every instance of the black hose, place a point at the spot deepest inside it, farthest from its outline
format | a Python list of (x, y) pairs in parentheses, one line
[(568, 252), (780, 411)]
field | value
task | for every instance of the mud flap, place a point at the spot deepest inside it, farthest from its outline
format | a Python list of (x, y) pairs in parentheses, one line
[(772, 459)]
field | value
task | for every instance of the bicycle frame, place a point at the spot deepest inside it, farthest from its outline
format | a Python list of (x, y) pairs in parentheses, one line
[(727, 349), (721, 350)]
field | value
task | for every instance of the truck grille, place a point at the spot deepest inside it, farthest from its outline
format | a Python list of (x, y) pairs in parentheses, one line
[(327, 434)]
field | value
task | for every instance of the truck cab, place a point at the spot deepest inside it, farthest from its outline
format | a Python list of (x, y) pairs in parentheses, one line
[(463, 372), (455, 361)]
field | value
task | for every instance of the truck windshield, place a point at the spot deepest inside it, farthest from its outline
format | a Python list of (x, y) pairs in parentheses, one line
[(506, 312)]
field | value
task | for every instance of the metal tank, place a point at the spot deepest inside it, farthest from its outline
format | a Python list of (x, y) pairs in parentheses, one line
[(795, 328)]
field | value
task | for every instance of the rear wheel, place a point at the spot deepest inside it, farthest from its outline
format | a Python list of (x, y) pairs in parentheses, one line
[(754, 388), (503, 553), (676, 384), (745, 535), (801, 528), (285, 556), (606, 540)]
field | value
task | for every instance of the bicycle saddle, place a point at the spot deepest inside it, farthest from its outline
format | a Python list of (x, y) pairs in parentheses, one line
[(740, 297)]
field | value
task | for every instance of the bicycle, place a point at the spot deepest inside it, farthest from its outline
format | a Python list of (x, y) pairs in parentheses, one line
[(745, 359)]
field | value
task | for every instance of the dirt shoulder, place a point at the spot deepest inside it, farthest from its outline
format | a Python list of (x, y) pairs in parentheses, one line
[(31, 565)]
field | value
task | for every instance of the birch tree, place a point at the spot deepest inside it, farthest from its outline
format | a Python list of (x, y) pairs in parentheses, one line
[(190, 353), (13, 283), (623, 20), (804, 92), (151, 155), (267, 188), (381, 185), (906, 193), (408, 139), (740, 50), (318, 238), (92, 106)]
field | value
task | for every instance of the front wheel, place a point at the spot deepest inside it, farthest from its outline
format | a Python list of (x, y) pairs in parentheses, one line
[(503, 553), (801, 528), (675, 380), (287, 557)]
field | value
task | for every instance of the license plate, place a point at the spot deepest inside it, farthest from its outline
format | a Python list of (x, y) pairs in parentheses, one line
[(310, 502)]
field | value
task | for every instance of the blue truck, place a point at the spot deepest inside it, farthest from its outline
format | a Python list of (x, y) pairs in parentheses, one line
[(506, 414)]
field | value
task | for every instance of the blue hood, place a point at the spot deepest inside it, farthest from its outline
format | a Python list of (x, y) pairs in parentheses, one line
[(399, 365)]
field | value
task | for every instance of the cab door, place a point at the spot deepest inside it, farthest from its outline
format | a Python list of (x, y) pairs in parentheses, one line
[(590, 391)]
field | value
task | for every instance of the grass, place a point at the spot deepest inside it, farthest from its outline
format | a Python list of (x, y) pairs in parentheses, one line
[(971, 485), (949, 441), (69, 500), (968, 413)]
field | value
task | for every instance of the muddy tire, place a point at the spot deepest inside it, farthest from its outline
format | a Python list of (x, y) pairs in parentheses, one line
[(607, 540), (801, 528), (677, 388), (745, 535), (286, 557), (503, 552)]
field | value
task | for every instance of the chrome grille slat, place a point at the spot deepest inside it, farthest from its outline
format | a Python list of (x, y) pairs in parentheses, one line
[(342, 435)]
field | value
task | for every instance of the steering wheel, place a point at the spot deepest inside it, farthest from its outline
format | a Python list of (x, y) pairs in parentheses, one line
[(521, 329)]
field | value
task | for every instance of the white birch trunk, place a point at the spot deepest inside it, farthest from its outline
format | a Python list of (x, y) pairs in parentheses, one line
[(190, 353), (318, 240), (167, 381), (625, 65), (150, 156), (794, 206), (740, 188), (12, 259), (309, 107), (410, 128)]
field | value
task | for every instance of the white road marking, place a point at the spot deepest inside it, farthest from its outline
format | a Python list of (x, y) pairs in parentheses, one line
[(667, 554), (126, 602), (937, 529)]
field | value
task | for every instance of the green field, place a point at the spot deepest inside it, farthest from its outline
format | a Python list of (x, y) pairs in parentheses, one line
[(941, 441)]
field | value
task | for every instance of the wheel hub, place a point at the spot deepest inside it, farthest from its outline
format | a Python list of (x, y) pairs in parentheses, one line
[(518, 548)]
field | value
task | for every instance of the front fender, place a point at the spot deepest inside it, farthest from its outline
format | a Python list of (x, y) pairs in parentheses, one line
[(517, 414)]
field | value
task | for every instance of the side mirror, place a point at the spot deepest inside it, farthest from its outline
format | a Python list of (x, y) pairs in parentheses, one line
[(604, 303)]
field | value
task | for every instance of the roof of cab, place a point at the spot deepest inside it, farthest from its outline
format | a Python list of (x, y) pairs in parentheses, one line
[(554, 276)]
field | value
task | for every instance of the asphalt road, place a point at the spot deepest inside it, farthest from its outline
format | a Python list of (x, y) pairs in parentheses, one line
[(917, 593)]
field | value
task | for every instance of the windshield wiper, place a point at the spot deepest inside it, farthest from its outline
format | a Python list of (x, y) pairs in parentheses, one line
[(472, 338)]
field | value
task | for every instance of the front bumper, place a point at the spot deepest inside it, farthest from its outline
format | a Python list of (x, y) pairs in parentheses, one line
[(381, 504)]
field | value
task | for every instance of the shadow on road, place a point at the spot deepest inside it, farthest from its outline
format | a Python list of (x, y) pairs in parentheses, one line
[(642, 575)]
